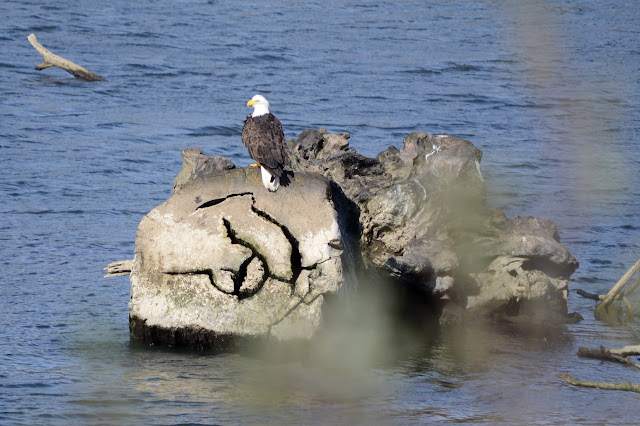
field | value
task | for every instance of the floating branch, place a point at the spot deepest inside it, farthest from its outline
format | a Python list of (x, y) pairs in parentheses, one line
[(51, 60), (602, 307), (619, 355), (115, 269), (600, 385), (588, 295)]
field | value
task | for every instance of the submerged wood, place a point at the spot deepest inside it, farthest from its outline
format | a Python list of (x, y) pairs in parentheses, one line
[(602, 307), (52, 60), (588, 295), (600, 385), (632, 287), (600, 297)]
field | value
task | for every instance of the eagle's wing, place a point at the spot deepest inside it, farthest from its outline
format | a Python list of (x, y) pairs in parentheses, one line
[(280, 143), (264, 138)]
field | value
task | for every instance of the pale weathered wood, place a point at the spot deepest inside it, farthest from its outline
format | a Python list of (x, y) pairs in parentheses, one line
[(619, 355), (51, 60), (599, 311), (116, 269), (627, 350), (600, 385), (631, 287)]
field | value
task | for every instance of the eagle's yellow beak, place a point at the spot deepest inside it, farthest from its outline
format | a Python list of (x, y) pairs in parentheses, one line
[(251, 102)]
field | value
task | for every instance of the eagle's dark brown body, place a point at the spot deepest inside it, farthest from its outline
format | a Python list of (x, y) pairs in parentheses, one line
[(264, 138)]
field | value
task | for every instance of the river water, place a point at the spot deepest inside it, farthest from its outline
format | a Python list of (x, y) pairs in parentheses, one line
[(549, 91)]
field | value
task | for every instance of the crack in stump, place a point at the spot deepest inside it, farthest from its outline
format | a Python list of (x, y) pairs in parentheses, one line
[(241, 275), (217, 201), (293, 308), (296, 257)]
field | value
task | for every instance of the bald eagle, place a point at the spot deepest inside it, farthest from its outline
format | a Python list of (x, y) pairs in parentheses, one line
[(263, 136)]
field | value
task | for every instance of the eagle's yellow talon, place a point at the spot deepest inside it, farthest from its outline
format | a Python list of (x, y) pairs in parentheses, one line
[(254, 165)]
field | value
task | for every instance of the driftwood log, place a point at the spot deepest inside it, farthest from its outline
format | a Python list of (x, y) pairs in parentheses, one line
[(51, 60), (622, 355), (596, 297), (600, 385), (116, 269), (615, 293)]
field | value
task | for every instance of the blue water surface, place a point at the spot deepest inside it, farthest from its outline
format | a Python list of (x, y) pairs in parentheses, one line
[(549, 91)]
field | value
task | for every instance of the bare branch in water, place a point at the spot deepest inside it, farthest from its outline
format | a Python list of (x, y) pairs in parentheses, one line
[(51, 60)]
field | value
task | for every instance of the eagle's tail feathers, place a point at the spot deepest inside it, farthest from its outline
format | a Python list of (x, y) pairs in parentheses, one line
[(271, 182)]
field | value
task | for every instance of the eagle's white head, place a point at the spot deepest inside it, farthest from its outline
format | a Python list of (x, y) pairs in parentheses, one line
[(260, 105)]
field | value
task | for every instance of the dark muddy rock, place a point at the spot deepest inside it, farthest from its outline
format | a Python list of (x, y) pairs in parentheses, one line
[(425, 223)]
